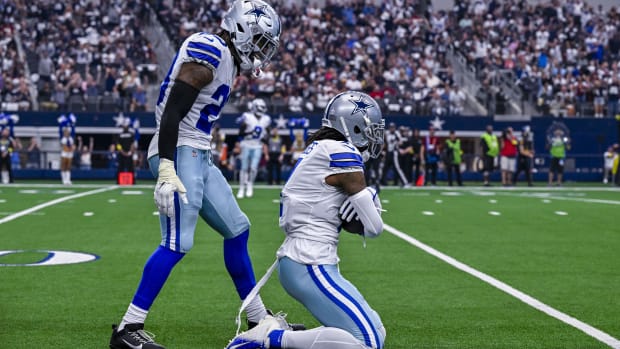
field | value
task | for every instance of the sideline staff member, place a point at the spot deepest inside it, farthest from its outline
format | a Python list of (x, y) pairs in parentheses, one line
[(126, 148), (558, 146), (490, 150)]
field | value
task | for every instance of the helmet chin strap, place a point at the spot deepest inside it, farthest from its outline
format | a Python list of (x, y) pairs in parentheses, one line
[(346, 130), (365, 155), (256, 71)]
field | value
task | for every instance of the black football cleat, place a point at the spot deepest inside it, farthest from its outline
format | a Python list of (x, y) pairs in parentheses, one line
[(133, 336)]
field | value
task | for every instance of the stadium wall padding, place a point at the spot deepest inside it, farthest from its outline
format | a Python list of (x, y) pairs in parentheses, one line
[(590, 137)]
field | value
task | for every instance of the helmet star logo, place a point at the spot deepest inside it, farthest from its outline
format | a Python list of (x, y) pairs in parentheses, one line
[(258, 12), (360, 106)]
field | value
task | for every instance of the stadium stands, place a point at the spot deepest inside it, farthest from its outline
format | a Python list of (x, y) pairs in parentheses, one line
[(559, 58), (563, 55), (14, 92), (85, 55), (353, 45)]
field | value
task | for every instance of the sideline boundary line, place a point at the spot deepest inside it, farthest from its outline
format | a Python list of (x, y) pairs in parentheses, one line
[(529, 300), (54, 202)]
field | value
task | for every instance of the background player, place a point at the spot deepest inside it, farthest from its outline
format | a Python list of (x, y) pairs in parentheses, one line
[(189, 185), (328, 176), (252, 132)]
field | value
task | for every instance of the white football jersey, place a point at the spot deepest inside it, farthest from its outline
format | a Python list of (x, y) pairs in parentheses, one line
[(209, 50), (309, 206), (255, 128)]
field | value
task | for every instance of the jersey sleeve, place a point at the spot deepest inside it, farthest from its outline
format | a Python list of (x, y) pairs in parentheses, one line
[(205, 49), (242, 119), (343, 157)]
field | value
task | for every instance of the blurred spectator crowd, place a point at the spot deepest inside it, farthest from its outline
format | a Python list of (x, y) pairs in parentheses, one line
[(385, 48), (92, 54), (13, 81), (563, 54), (82, 55)]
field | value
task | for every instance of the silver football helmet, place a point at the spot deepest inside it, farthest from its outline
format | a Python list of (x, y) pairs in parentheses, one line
[(358, 117), (258, 105), (255, 29)]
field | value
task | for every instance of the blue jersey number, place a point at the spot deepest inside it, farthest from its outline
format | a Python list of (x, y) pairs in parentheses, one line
[(257, 132), (212, 111)]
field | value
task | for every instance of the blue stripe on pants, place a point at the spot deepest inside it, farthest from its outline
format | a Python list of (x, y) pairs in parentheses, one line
[(300, 282), (177, 219), (352, 300), (209, 195), (337, 300)]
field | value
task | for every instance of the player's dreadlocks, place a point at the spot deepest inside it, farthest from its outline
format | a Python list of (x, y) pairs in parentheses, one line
[(326, 133)]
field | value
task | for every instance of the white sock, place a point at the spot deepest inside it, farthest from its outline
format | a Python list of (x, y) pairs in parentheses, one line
[(134, 315), (256, 310), (321, 338), (252, 176), (63, 176), (69, 176), (243, 178), (5, 177)]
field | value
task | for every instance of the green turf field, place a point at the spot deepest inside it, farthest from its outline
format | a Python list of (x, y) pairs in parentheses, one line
[(559, 246)]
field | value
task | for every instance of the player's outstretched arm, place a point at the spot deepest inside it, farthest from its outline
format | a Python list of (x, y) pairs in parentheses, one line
[(191, 79)]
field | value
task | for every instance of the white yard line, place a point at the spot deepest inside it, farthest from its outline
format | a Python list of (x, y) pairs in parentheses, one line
[(565, 198), (54, 202), (73, 186), (505, 189), (533, 302)]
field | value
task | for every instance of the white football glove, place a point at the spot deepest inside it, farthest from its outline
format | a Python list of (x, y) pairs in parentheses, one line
[(167, 184), (347, 211)]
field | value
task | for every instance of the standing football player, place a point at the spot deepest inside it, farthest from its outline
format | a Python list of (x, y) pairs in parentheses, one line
[(252, 132), (326, 190), (189, 184)]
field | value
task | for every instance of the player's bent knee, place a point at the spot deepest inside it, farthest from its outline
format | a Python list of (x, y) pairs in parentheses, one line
[(243, 229), (185, 244), (382, 333), (242, 225)]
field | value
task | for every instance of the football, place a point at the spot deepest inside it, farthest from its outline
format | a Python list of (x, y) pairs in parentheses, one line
[(355, 226)]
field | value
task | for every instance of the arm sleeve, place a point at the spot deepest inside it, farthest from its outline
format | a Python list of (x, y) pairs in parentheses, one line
[(242, 132), (364, 205), (182, 97)]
